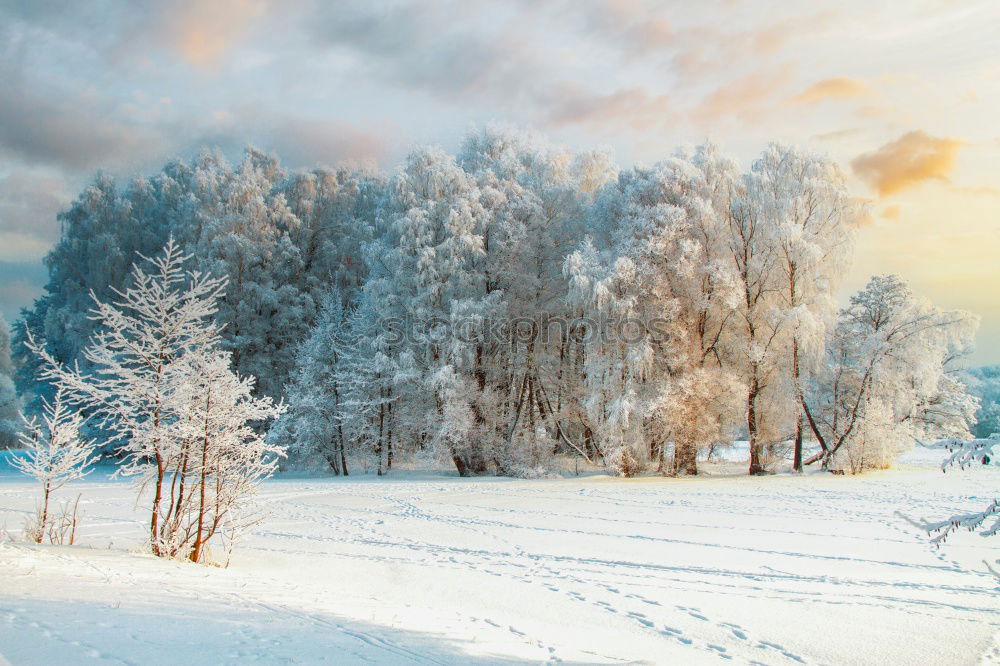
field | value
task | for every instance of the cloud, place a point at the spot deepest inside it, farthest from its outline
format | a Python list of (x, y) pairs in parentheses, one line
[(632, 27), (692, 43), (906, 162), (839, 87), (46, 124), (877, 112), (20, 284), (21, 247), (200, 34), (838, 134), (298, 141), (446, 50), (977, 190), (428, 47), (203, 32), (745, 97), (891, 212), (306, 142), (30, 201), (573, 104)]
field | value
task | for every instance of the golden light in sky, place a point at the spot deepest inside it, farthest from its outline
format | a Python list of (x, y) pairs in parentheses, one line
[(902, 95)]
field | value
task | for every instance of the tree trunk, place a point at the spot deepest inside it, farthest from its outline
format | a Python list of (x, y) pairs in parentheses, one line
[(196, 551), (685, 458), (381, 431), (154, 521), (343, 458), (154, 531), (47, 489), (756, 460), (796, 378), (797, 455), (388, 461), (460, 465)]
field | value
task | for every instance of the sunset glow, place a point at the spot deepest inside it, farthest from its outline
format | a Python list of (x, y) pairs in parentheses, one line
[(903, 95)]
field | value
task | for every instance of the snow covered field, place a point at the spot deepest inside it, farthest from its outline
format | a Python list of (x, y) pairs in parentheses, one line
[(430, 568)]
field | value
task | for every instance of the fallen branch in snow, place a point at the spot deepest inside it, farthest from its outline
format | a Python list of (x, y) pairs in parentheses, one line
[(965, 453), (987, 522)]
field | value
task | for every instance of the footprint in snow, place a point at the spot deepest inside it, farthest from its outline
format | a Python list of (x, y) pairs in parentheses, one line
[(641, 619), (721, 650), (607, 606), (736, 629)]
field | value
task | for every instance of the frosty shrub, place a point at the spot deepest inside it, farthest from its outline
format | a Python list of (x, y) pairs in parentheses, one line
[(54, 455), (162, 386)]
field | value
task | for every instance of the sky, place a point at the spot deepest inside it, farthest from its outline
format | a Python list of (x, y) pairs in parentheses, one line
[(903, 95)]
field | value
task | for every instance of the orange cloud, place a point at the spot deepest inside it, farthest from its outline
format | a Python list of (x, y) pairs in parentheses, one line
[(633, 107), (876, 112), (839, 87), (743, 97), (891, 213), (908, 161), (978, 190), (202, 32), (838, 134)]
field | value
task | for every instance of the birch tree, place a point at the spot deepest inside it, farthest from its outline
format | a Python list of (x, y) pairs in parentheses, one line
[(153, 345), (672, 228), (425, 281), (222, 457), (888, 378), (813, 221)]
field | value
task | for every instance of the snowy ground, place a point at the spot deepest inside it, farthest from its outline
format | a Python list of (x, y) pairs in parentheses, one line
[(425, 568)]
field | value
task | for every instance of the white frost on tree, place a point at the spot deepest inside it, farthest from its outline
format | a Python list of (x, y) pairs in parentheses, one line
[(964, 454), (9, 402), (54, 453), (150, 348), (221, 457), (888, 378), (313, 425), (812, 221)]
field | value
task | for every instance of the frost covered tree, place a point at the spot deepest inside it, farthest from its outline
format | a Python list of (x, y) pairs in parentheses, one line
[(669, 221), (757, 339), (9, 403), (376, 409), (669, 272), (426, 285), (142, 362), (984, 383), (812, 221), (313, 425), (617, 365), (537, 197), (221, 459), (889, 377), (245, 236), (335, 210), (133, 366), (55, 453)]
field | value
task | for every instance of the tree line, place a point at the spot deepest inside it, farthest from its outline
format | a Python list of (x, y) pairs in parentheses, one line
[(411, 316)]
